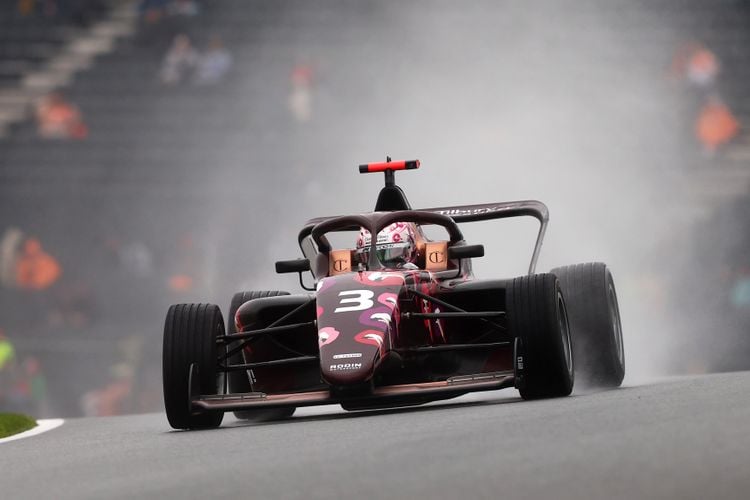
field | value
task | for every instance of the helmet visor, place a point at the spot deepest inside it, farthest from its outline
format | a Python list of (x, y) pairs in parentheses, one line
[(389, 254)]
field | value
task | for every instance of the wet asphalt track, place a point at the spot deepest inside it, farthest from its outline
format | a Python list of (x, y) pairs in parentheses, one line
[(681, 439)]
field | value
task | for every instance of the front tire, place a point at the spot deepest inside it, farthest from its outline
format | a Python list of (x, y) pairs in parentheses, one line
[(190, 332), (595, 323), (538, 318)]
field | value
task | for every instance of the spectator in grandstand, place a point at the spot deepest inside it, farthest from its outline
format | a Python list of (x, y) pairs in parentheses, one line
[(36, 269), (10, 247), (152, 10), (214, 64), (179, 62), (27, 392), (187, 8), (26, 7), (697, 64), (73, 305), (300, 96), (181, 280), (134, 257), (81, 12), (58, 118), (702, 68), (716, 125)]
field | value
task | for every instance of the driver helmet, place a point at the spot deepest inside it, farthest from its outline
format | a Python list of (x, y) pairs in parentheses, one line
[(396, 246)]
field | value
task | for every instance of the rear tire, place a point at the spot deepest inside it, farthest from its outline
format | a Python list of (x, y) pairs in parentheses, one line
[(239, 381), (190, 332), (594, 323), (538, 317)]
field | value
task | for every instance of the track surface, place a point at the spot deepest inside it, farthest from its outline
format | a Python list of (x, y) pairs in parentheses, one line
[(681, 439)]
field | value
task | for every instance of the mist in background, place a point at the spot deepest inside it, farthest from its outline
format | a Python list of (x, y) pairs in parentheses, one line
[(568, 103)]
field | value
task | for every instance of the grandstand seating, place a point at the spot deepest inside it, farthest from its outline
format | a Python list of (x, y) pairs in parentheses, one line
[(156, 157), (139, 128), (151, 142)]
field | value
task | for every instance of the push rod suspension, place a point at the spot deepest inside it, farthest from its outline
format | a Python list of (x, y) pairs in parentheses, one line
[(260, 364), (468, 314), (449, 347), (263, 331), (451, 307)]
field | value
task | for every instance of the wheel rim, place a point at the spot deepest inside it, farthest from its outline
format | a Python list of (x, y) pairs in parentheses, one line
[(614, 314), (565, 333)]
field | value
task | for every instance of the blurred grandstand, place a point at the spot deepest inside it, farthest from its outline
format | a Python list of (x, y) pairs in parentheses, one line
[(148, 174)]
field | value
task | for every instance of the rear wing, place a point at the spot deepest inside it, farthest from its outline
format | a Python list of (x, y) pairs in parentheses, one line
[(502, 210), (470, 213)]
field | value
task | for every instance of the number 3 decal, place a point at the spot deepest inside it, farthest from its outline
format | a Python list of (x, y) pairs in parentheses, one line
[(359, 297)]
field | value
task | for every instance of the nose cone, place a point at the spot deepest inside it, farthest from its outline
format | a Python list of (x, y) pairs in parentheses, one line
[(357, 315), (350, 359)]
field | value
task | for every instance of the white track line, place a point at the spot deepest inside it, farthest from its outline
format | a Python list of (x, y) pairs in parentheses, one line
[(41, 426)]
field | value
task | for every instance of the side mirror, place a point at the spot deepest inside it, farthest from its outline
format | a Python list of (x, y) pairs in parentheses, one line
[(292, 266), (466, 251)]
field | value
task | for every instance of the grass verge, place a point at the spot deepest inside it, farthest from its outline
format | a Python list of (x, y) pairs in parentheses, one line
[(12, 423)]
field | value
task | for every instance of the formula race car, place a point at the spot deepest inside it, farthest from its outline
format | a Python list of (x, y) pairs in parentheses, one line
[(396, 320)]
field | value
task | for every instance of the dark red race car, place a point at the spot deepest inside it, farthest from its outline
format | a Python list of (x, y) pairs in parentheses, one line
[(398, 320)]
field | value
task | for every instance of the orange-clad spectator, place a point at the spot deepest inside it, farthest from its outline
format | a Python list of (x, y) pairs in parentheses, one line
[(36, 269), (59, 119), (181, 280), (716, 125), (26, 7), (180, 283)]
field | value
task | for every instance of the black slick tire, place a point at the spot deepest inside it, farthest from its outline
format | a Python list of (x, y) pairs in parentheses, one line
[(595, 324), (537, 317), (190, 332), (239, 381)]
